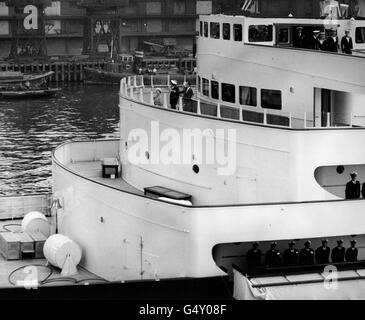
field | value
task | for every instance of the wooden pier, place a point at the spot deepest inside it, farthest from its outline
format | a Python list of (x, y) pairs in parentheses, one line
[(63, 71)]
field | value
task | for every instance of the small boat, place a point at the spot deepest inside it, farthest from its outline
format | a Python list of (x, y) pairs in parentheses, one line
[(12, 77), (32, 93)]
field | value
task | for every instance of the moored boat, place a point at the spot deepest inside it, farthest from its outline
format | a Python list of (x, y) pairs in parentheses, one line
[(29, 93)]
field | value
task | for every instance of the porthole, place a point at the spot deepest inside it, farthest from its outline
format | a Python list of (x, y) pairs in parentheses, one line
[(196, 168), (340, 169)]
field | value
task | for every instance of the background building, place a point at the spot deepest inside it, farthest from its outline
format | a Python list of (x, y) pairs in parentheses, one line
[(101, 28)]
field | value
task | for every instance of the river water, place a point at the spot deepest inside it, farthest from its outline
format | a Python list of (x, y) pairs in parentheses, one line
[(31, 129)]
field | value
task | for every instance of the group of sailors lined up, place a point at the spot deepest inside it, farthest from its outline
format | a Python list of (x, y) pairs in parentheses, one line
[(175, 91), (306, 256), (318, 41)]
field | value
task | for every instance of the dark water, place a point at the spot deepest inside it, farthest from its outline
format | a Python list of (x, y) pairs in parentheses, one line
[(31, 129)]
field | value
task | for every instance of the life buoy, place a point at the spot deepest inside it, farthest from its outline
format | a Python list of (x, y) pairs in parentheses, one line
[(127, 66)]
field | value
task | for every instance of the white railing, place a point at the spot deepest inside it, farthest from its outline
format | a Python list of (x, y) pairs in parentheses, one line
[(134, 88)]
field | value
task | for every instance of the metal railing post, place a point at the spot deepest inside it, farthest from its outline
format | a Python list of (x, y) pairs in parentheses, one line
[(305, 120), (180, 104), (135, 81), (165, 100), (218, 110), (328, 119), (151, 97), (168, 80), (151, 80), (132, 93), (290, 120), (141, 95), (351, 119), (265, 116), (198, 110), (240, 117)]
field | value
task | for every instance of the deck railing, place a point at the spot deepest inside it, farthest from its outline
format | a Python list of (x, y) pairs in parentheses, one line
[(136, 89), (14, 207)]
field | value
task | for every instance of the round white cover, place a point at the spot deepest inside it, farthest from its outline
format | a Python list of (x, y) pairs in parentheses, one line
[(57, 247), (36, 221)]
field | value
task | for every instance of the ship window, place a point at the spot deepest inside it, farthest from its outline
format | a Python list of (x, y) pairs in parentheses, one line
[(237, 30), (206, 29), (360, 35), (205, 87), (248, 96), (201, 28), (260, 33), (214, 30), (271, 99), (228, 92), (214, 89), (226, 31)]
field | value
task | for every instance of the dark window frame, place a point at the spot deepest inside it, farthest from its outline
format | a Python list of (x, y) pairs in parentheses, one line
[(201, 29), (266, 102), (226, 87), (361, 34), (215, 33), (226, 36), (206, 29), (256, 33), (204, 82), (237, 27), (253, 96), (214, 89)]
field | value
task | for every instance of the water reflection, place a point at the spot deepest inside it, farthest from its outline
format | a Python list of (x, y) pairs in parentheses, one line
[(31, 129)]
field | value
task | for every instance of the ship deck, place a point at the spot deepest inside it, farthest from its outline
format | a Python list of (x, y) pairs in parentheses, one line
[(13, 272), (92, 170)]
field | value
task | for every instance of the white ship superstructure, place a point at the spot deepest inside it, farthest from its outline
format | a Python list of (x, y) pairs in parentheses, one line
[(297, 117)]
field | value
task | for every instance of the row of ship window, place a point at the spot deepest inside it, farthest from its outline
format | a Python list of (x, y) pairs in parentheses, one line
[(256, 33), (270, 99)]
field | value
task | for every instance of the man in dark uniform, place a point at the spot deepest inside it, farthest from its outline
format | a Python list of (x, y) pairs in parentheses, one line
[(253, 257), (351, 253), (332, 42), (346, 43), (300, 38), (352, 187), (323, 253), (174, 94), (291, 255), (273, 257), (313, 42), (306, 255), (187, 96), (338, 253)]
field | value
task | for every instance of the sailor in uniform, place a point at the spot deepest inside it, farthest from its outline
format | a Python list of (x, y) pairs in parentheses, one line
[(306, 255), (300, 38), (273, 256), (351, 253), (291, 255), (353, 187), (174, 94), (313, 42), (323, 253), (332, 42), (346, 43), (253, 257), (338, 253)]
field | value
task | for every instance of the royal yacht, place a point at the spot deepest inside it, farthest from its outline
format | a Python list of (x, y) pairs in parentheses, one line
[(261, 154)]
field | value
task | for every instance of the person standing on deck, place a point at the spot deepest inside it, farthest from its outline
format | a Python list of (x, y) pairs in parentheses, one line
[(174, 94), (273, 256), (346, 43), (338, 253), (332, 42), (253, 258), (291, 255), (323, 253), (306, 255), (187, 95), (351, 253), (353, 187)]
